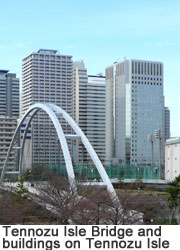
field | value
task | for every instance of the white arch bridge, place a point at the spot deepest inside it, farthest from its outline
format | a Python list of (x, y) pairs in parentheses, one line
[(54, 112)]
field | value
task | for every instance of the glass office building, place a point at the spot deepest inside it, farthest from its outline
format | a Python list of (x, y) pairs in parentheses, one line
[(134, 110)]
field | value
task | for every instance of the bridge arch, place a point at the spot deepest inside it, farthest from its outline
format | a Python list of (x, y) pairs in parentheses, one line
[(52, 111)]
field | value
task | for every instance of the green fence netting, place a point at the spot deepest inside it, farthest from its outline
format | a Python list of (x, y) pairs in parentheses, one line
[(90, 172)]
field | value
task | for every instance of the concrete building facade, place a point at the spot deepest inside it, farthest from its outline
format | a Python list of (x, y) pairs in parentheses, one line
[(47, 78), (9, 113), (89, 110), (172, 158), (134, 109), (7, 128)]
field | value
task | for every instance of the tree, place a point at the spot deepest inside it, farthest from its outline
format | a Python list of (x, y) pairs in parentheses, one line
[(56, 195), (174, 199), (20, 191), (86, 205), (17, 210), (16, 207)]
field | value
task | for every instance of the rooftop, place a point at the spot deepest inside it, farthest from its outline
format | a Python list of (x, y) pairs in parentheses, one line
[(4, 71), (173, 140), (48, 51), (97, 76)]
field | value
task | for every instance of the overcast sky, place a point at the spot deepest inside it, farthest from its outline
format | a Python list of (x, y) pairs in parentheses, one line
[(98, 32)]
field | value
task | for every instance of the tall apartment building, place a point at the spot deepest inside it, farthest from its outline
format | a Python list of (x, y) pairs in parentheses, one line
[(47, 78), (89, 110), (167, 123), (134, 110), (9, 113)]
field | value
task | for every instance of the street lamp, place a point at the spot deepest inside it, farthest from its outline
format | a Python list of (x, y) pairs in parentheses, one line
[(157, 134), (151, 139)]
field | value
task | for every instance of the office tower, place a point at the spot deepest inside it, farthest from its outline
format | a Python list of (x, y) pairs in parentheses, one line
[(89, 110), (96, 113), (9, 94), (9, 112), (47, 78), (167, 123), (134, 109)]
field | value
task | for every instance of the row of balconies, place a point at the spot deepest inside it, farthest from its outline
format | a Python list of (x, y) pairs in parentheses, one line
[(56, 65), (9, 121), (3, 154)]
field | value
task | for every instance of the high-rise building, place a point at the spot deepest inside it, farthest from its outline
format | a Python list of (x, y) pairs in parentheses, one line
[(166, 123), (89, 110), (96, 113), (134, 110), (80, 80), (9, 113), (9, 94), (47, 78)]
